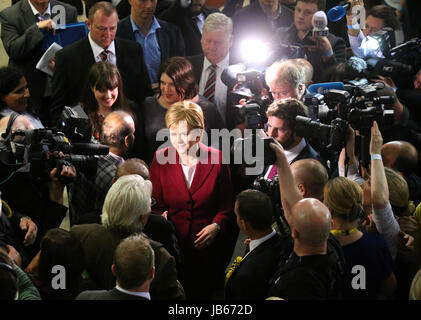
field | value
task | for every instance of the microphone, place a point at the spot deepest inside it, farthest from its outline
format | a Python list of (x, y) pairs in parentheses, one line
[(324, 87), (319, 22), (338, 12)]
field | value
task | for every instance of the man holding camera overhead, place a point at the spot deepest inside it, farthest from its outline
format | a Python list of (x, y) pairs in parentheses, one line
[(322, 48)]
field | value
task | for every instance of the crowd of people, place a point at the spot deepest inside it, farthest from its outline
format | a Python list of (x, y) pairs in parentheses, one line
[(168, 214)]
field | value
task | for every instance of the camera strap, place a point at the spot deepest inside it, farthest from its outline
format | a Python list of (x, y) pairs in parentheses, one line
[(12, 118)]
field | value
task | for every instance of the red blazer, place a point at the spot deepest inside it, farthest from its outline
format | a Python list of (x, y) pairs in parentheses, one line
[(209, 199)]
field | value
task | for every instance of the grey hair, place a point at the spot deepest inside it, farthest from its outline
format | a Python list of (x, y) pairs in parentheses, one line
[(128, 199), (285, 70), (216, 22)]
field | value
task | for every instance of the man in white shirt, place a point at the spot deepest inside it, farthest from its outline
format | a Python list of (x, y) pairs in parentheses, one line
[(376, 19), (281, 126), (250, 280), (216, 43), (74, 61), (134, 270)]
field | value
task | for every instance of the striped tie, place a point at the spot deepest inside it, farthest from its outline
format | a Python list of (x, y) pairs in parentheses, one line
[(41, 17), (209, 92), (104, 55)]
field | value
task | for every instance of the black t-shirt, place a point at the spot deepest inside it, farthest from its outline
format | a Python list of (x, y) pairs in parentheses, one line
[(313, 277)]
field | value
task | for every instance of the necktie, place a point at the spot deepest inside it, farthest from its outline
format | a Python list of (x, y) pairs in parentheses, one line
[(41, 17), (104, 55), (209, 91), (272, 172), (198, 22)]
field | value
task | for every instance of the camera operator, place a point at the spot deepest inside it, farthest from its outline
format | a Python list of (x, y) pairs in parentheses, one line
[(321, 52), (281, 126), (36, 205), (377, 18), (86, 196)]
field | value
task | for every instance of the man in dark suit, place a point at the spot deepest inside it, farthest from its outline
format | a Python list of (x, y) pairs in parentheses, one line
[(23, 27), (190, 16), (281, 126), (133, 267), (250, 280), (159, 39), (216, 43), (73, 62), (125, 212), (321, 52)]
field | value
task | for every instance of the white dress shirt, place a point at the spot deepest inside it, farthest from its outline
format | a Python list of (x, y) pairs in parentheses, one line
[(220, 88), (96, 49), (132, 293), (291, 154), (257, 242)]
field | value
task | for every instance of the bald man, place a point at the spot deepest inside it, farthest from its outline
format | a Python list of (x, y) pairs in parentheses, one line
[(402, 157), (310, 176), (311, 271), (88, 193)]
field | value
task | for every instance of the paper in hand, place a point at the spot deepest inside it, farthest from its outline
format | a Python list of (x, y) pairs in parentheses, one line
[(43, 63)]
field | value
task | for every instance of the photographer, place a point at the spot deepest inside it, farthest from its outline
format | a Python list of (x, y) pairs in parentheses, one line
[(40, 201), (86, 196), (321, 52), (377, 18), (281, 126)]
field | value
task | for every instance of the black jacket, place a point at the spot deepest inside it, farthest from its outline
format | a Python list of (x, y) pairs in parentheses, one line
[(191, 33), (169, 36), (74, 62)]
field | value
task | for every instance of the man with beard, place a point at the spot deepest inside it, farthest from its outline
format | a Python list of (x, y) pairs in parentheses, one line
[(281, 127)]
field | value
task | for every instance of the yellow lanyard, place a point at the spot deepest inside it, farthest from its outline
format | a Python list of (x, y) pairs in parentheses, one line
[(344, 232)]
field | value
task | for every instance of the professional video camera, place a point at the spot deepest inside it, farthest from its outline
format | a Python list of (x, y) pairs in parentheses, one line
[(47, 148), (357, 105), (257, 136), (400, 63)]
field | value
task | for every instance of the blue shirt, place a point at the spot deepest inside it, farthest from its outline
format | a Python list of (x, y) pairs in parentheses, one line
[(150, 46)]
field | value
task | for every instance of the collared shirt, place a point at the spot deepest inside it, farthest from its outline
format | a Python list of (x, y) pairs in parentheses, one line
[(35, 11), (291, 154), (150, 46), (96, 49), (220, 88), (132, 293), (257, 242)]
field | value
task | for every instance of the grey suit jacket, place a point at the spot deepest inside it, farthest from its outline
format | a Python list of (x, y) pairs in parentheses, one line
[(113, 294), (22, 40)]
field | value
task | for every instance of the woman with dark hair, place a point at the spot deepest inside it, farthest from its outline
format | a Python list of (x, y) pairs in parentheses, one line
[(176, 83), (58, 248), (103, 95), (14, 95)]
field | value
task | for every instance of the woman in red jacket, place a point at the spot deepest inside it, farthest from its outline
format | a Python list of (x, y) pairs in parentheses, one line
[(191, 183)]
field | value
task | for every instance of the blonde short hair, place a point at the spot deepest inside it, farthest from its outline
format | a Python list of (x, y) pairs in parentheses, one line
[(398, 193), (186, 111), (344, 197)]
